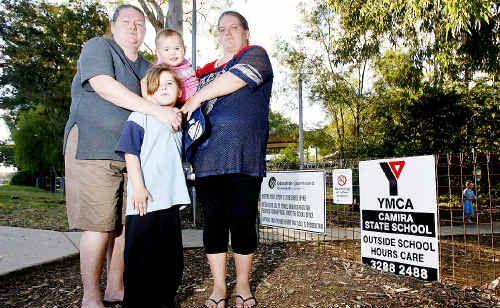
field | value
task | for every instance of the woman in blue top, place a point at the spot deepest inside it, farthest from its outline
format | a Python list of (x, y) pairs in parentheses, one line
[(234, 94), (468, 197)]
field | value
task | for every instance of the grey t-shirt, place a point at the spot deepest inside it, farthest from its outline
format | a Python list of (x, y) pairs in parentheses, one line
[(99, 121)]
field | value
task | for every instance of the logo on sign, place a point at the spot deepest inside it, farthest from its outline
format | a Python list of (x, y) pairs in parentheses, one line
[(392, 171), (342, 180), (272, 182)]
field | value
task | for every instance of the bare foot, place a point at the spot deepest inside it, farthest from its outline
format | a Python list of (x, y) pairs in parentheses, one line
[(243, 296), (218, 298), (214, 302), (113, 297), (89, 303)]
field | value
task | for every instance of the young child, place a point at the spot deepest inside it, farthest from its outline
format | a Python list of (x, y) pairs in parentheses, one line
[(170, 50), (155, 190)]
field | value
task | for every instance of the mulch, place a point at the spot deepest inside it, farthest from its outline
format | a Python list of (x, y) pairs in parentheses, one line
[(285, 275)]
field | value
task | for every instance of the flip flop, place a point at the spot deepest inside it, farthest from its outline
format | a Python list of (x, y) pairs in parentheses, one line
[(112, 302), (244, 300), (216, 302)]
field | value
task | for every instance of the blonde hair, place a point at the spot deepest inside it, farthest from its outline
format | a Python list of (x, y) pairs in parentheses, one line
[(153, 77)]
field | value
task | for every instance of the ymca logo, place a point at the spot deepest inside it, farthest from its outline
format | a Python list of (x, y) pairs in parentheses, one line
[(392, 171)]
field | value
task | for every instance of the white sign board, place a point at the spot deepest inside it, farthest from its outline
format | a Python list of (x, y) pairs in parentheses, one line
[(294, 200), (399, 232), (342, 186)]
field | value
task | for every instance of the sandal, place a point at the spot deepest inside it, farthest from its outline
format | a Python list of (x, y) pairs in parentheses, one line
[(216, 302), (112, 302), (244, 300)]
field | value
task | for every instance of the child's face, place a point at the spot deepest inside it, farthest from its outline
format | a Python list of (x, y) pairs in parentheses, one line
[(168, 92), (170, 50)]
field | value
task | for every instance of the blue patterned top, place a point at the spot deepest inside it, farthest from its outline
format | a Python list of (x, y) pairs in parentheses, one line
[(238, 125)]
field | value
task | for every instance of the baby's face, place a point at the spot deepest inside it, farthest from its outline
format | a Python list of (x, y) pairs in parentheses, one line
[(170, 50), (168, 92)]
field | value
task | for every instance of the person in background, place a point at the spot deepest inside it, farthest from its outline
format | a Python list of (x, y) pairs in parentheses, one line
[(468, 197)]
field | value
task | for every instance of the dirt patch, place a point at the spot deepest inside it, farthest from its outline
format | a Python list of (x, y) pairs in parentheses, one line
[(285, 275)]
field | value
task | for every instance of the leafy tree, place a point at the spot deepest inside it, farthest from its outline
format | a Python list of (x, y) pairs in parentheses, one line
[(41, 45), (282, 127), (344, 43), (37, 149), (6, 154), (288, 157), (411, 116), (420, 100)]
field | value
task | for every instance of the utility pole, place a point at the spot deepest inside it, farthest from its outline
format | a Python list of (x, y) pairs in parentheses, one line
[(301, 128), (193, 48)]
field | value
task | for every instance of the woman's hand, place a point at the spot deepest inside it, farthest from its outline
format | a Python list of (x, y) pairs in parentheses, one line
[(190, 106), (140, 199), (170, 116)]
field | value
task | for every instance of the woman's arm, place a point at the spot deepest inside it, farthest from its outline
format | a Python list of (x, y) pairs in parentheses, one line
[(140, 196), (114, 92), (222, 85)]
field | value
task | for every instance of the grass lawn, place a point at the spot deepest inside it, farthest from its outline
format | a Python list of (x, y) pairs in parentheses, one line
[(30, 207)]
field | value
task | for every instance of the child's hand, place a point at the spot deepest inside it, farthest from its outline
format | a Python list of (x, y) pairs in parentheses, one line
[(140, 200), (171, 116)]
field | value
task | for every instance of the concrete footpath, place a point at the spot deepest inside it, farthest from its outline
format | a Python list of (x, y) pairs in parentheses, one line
[(22, 248)]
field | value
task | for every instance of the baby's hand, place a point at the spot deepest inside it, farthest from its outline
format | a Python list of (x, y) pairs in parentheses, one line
[(140, 199)]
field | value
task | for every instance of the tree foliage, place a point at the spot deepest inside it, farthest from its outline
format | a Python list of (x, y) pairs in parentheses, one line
[(400, 77), (41, 45)]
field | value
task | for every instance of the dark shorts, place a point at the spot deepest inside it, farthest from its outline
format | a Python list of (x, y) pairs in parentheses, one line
[(230, 205)]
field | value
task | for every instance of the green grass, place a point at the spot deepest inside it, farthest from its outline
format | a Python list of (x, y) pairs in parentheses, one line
[(30, 207)]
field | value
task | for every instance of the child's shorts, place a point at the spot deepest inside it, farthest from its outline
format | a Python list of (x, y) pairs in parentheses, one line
[(154, 259)]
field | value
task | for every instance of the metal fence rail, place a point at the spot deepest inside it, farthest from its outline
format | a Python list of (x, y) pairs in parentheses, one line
[(469, 252)]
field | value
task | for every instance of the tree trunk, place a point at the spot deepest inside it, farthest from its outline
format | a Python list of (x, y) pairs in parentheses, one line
[(174, 15), (155, 15)]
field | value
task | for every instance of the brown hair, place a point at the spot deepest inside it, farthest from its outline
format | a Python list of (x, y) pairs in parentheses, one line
[(116, 13), (241, 18), (168, 33), (153, 77), (243, 21)]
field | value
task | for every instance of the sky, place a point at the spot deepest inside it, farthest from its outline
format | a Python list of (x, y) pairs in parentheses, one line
[(269, 20)]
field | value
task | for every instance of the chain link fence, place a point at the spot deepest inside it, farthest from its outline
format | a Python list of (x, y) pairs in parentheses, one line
[(469, 248)]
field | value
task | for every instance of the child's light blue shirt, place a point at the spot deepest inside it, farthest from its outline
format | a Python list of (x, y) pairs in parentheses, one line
[(159, 151)]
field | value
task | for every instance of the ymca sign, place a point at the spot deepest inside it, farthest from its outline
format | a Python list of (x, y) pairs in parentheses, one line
[(399, 216)]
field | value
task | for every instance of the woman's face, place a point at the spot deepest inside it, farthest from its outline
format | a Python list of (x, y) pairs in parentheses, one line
[(168, 92), (231, 34), (129, 29)]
